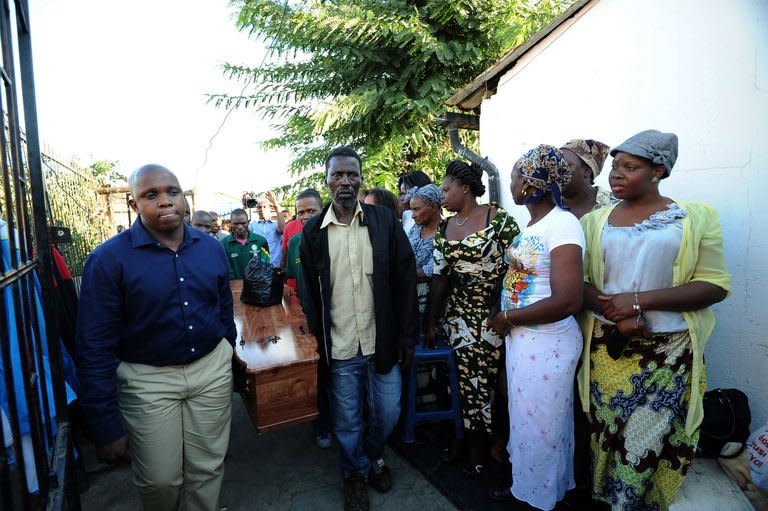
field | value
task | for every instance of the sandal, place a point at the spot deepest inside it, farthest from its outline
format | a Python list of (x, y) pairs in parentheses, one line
[(501, 494), (473, 471)]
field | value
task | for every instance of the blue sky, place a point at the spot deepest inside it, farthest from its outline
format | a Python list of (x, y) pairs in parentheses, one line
[(126, 81)]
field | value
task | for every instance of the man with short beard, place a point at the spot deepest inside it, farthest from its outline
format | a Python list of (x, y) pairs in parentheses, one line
[(359, 277)]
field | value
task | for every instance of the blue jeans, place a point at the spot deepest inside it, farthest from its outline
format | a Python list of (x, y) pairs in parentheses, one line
[(351, 381)]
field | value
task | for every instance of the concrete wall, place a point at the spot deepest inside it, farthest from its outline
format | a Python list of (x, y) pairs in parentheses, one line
[(696, 68)]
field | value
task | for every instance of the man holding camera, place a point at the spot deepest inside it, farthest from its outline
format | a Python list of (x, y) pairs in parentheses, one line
[(270, 229)]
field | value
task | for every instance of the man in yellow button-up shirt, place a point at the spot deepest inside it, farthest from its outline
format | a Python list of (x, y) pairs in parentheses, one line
[(359, 275)]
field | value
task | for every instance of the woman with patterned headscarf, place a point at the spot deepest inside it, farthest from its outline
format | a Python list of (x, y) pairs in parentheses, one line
[(585, 158), (542, 291), (654, 266)]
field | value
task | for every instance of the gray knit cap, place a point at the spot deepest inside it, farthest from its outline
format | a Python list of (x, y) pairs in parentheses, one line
[(660, 148)]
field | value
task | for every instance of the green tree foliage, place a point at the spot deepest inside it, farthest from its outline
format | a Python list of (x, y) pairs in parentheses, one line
[(372, 74), (106, 171), (73, 201)]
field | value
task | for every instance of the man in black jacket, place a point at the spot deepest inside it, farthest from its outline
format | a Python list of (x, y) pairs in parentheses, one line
[(360, 301)]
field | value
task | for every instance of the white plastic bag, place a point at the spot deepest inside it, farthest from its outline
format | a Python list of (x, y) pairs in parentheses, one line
[(757, 445)]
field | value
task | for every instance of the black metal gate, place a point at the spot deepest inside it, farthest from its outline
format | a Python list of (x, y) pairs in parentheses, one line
[(36, 434)]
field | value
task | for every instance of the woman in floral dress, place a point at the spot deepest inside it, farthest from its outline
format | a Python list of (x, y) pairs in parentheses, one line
[(468, 267), (542, 291)]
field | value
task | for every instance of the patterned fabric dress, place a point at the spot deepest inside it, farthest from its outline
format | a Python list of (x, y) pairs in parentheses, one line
[(639, 403), (638, 406), (475, 263)]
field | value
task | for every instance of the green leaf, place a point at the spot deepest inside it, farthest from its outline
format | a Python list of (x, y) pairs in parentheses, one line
[(372, 74)]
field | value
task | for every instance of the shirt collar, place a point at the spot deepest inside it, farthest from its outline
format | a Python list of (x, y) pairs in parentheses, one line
[(330, 216), (140, 236), (252, 236)]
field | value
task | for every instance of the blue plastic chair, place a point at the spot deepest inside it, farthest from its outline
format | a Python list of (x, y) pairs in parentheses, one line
[(441, 354)]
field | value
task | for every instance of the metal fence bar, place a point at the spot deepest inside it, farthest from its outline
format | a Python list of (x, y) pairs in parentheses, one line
[(61, 475), (39, 201), (15, 485), (25, 336), (27, 380), (73, 201)]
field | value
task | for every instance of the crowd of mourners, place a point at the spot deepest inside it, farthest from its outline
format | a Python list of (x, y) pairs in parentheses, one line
[(578, 337)]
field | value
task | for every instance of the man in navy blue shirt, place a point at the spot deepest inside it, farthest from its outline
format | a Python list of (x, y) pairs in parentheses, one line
[(155, 338)]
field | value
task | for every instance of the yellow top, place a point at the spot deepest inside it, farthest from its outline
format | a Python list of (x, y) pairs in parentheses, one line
[(700, 258), (353, 318)]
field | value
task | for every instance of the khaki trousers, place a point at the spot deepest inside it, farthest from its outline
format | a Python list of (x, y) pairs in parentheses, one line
[(178, 419)]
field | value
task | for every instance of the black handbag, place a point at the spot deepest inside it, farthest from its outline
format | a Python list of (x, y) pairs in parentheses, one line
[(726, 419)]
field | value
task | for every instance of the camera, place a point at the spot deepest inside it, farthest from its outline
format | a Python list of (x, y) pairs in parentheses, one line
[(250, 200)]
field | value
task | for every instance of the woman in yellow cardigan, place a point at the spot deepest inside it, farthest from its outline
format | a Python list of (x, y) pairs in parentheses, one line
[(653, 268)]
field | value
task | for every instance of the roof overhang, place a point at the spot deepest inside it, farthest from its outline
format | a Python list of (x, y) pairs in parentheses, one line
[(484, 86)]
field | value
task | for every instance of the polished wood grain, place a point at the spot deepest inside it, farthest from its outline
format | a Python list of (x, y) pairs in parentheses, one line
[(281, 362)]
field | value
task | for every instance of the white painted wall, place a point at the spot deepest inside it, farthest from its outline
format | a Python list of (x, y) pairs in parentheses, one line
[(698, 69)]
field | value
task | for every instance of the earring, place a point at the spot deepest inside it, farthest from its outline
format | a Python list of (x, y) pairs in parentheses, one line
[(654, 180)]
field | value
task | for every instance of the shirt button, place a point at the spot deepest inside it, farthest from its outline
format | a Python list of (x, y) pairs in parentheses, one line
[(177, 255), (181, 279), (186, 304), (193, 350), (190, 327)]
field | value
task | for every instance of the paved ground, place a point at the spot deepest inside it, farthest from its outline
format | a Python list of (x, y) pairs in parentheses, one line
[(278, 471)]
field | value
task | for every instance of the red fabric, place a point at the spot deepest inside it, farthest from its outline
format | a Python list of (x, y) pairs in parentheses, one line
[(61, 265), (293, 227)]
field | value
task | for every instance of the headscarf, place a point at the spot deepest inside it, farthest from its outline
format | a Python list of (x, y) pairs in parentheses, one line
[(430, 193), (544, 168), (660, 148), (591, 152)]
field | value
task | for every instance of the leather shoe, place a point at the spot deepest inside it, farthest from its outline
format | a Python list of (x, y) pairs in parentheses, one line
[(355, 493), (380, 477)]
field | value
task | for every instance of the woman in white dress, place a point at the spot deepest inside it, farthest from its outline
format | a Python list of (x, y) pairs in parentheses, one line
[(542, 291)]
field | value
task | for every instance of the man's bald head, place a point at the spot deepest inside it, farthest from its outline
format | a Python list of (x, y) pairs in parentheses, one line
[(159, 201), (151, 168)]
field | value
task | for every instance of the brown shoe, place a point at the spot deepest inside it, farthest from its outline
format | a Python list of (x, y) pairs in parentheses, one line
[(355, 493)]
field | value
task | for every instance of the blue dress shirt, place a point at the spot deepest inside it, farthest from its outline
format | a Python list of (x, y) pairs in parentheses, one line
[(141, 302), (268, 229)]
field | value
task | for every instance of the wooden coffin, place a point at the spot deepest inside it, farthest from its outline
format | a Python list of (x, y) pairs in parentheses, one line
[(281, 362)]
